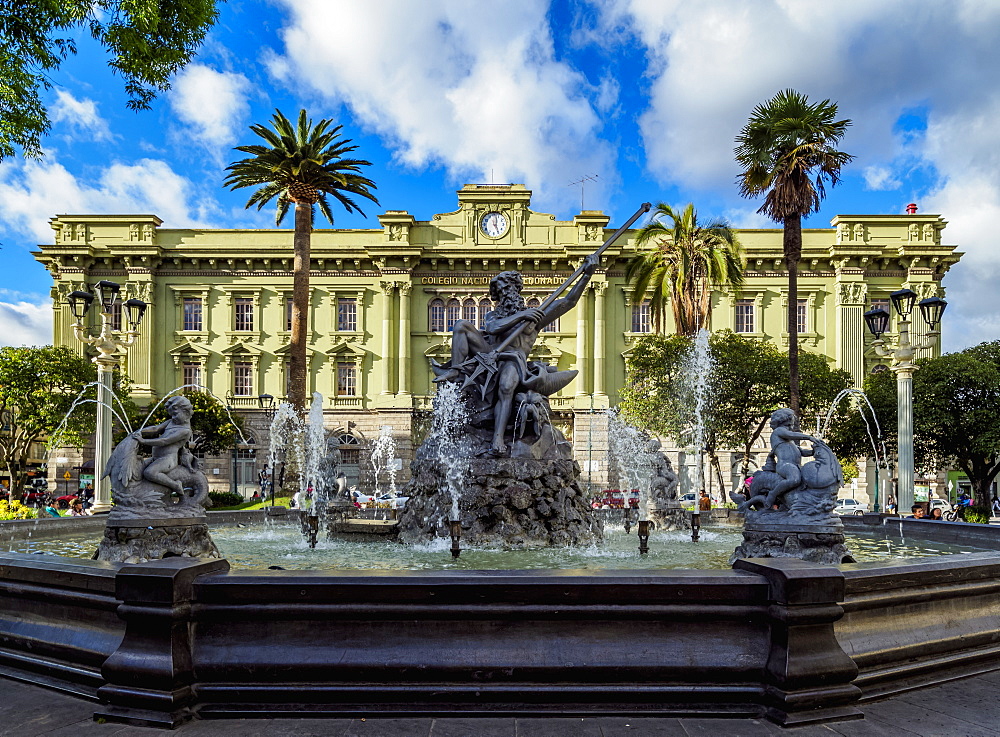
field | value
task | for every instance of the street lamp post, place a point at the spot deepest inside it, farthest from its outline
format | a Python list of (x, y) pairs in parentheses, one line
[(266, 403), (903, 366), (110, 348)]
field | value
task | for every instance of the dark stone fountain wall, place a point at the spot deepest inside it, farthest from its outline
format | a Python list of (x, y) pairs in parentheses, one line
[(505, 502)]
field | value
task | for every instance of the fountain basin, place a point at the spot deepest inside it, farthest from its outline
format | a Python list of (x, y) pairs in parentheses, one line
[(782, 638)]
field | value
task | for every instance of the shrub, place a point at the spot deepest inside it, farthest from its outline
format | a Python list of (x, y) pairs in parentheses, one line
[(225, 498), (16, 510), (977, 514)]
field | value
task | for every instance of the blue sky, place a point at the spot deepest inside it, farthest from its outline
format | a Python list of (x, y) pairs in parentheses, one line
[(646, 95)]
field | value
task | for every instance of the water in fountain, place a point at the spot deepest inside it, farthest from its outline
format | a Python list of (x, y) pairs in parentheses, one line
[(383, 460), (631, 455), (697, 370), (879, 453), (450, 416)]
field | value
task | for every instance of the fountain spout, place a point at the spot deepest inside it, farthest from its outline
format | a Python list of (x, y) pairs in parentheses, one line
[(643, 535), (313, 529), (456, 534), (695, 526)]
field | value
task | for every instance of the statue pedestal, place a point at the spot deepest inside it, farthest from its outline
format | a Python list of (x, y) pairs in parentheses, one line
[(779, 535), (137, 540), (510, 503)]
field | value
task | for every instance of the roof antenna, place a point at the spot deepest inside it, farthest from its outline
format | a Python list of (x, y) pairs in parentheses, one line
[(583, 186)]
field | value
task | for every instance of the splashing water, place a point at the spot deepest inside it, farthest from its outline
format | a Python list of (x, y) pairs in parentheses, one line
[(383, 459), (630, 451), (698, 368), (450, 418)]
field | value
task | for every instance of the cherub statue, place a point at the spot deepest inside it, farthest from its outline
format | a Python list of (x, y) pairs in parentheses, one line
[(146, 486), (783, 471)]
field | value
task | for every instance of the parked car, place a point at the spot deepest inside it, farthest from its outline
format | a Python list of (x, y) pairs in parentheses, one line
[(64, 502), (360, 498), (941, 504), (850, 506), (394, 502), (689, 498)]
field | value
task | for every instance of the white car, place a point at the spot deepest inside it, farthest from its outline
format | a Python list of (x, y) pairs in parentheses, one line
[(850, 506), (397, 502)]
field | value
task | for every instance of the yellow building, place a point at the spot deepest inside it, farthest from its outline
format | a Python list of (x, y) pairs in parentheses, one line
[(384, 299)]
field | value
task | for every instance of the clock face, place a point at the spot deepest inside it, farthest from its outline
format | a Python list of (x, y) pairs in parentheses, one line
[(494, 224)]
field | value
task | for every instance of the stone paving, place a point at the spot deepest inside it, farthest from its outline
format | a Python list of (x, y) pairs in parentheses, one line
[(965, 708)]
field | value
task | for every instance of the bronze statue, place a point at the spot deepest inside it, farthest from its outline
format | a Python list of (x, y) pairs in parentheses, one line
[(492, 363), (171, 482)]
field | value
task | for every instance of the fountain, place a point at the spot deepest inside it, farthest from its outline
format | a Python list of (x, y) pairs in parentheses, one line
[(789, 512), (158, 501), (509, 473)]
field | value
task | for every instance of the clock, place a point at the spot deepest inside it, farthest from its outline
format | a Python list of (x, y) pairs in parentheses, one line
[(494, 224)]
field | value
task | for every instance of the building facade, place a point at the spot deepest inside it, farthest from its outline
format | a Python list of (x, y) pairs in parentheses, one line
[(383, 301)]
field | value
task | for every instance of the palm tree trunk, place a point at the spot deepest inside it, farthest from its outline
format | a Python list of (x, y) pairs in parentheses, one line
[(792, 242), (298, 368)]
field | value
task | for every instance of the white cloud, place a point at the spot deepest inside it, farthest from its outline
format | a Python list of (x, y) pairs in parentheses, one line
[(449, 85), (212, 104), (710, 62), (80, 115), (880, 178), (25, 323), (32, 192)]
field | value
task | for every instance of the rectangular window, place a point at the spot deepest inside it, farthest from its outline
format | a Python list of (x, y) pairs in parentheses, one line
[(242, 380), (288, 378), (347, 314), (192, 313), (347, 380), (192, 374), (244, 313), (640, 317), (744, 316), (116, 315), (800, 316), (552, 327), (288, 313), (883, 303)]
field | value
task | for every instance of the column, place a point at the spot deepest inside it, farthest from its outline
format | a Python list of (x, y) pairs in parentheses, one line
[(403, 372), (850, 349), (581, 345), (102, 446), (140, 354), (388, 288), (904, 434), (600, 349)]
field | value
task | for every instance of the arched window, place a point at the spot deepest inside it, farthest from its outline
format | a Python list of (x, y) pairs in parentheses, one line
[(485, 306), (469, 310), (435, 317), (454, 313), (350, 449)]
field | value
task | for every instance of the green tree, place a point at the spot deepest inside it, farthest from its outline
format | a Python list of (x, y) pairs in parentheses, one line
[(683, 261), (215, 429), (300, 165), (788, 153), (748, 382), (37, 388), (148, 41), (956, 403)]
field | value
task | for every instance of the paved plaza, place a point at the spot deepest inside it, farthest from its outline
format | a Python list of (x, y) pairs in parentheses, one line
[(965, 708)]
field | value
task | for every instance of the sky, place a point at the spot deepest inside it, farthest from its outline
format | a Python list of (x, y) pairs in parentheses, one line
[(642, 98)]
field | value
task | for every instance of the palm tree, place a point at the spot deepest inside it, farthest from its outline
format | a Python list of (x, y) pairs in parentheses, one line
[(300, 164), (787, 151), (684, 261)]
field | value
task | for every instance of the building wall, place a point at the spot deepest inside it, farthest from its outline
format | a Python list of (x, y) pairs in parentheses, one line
[(394, 272)]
